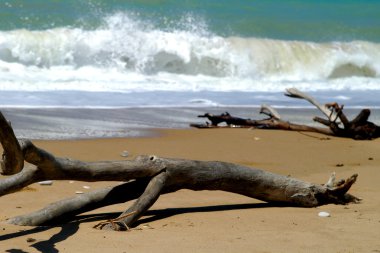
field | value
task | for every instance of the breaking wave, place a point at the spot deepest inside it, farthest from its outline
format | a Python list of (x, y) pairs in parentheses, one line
[(127, 54)]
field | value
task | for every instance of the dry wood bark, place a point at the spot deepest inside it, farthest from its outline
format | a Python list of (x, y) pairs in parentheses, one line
[(337, 122), (146, 178)]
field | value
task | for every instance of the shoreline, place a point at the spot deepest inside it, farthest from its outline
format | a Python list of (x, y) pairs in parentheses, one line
[(85, 123)]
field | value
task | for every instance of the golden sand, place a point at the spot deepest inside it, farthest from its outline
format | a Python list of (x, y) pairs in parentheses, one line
[(213, 221)]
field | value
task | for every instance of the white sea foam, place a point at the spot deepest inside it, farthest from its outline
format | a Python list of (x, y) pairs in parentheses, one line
[(128, 55)]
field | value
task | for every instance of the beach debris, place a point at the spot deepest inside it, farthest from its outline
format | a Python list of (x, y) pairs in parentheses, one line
[(79, 192), (256, 138), (324, 214), (112, 222), (146, 226), (339, 165), (86, 187), (30, 239), (47, 182), (71, 182), (336, 124), (125, 153)]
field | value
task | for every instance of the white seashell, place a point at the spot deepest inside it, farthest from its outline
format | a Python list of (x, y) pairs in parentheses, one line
[(78, 192), (71, 182), (86, 187), (124, 153), (47, 182), (324, 214)]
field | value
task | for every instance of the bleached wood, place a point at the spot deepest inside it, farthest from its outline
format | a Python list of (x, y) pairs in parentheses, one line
[(152, 176), (270, 111), (295, 93)]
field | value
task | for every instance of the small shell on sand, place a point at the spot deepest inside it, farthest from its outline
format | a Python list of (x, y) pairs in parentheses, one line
[(47, 182), (78, 192), (124, 153), (324, 214), (86, 187)]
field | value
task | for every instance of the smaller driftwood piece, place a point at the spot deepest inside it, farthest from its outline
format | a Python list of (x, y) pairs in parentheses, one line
[(146, 178), (337, 123)]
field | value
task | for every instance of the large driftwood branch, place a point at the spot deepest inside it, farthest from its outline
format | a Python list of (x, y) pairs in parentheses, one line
[(147, 177), (337, 122)]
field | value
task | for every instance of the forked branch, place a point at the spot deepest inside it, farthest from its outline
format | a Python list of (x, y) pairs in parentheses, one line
[(358, 128), (147, 177)]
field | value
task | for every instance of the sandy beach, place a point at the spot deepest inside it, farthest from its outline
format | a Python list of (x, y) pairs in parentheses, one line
[(206, 221), (111, 80)]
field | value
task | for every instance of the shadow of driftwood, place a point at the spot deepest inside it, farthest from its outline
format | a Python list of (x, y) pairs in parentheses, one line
[(67, 230), (70, 228), (47, 246), (15, 251), (155, 215)]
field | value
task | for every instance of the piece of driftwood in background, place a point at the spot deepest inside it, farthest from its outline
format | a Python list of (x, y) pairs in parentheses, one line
[(146, 178), (337, 123), (270, 123), (358, 128)]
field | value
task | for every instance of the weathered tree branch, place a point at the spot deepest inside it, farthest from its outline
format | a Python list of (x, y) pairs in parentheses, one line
[(12, 161), (358, 128), (142, 204), (270, 111), (295, 93), (147, 177), (274, 122)]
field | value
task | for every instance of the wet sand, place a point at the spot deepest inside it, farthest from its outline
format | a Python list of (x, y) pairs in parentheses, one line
[(88, 123), (213, 221)]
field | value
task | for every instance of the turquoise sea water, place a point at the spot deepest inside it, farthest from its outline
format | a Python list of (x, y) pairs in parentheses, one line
[(192, 53), (307, 20)]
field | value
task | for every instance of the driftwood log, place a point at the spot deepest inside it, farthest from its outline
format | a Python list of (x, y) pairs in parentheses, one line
[(337, 122), (146, 178)]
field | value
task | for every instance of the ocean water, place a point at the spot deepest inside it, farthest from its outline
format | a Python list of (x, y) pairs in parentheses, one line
[(190, 53)]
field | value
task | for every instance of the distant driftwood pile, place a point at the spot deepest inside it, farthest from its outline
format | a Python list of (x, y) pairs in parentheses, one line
[(337, 123), (146, 178)]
